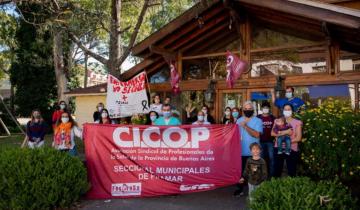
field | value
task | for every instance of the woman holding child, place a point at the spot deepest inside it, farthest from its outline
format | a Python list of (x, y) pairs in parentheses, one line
[(295, 134)]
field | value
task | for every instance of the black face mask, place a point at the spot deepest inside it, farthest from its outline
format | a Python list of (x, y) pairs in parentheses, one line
[(249, 113)]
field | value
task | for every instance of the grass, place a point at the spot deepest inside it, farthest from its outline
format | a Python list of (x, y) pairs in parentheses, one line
[(17, 139)]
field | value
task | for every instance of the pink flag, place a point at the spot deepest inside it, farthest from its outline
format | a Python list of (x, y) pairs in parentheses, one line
[(234, 67), (174, 78)]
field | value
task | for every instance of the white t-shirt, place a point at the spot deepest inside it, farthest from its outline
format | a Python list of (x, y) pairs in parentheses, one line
[(157, 108)]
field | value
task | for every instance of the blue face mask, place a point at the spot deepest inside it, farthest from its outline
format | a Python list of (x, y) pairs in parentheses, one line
[(153, 118), (235, 114), (167, 114)]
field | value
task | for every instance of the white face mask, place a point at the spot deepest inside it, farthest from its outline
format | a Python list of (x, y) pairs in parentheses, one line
[(288, 95), (287, 113), (62, 106), (64, 119), (200, 118), (104, 115), (266, 110), (227, 113)]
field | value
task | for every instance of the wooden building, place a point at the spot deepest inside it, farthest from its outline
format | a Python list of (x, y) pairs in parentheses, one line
[(314, 45)]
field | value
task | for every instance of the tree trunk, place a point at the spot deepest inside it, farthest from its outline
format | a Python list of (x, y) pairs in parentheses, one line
[(115, 38), (59, 65), (86, 70)]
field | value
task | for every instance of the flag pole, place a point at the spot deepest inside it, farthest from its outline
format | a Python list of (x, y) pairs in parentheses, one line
[(148, 84)]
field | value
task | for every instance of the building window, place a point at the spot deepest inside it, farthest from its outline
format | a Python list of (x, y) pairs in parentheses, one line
[(349, 61), (315, 95), (297, 60), (161, 76)]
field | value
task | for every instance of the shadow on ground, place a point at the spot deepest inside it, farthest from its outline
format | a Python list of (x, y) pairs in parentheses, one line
[(219, 199)]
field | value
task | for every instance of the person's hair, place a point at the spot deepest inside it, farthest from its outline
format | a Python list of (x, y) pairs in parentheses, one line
[(157, 115), (282, 118), (227, 108), (265, 104), (166, 105), (207, 107), (255, 144), (201, 112), (108, 117), (100, 104), (288, 104), (32, 115), (168, 97), (249, 103), (237, 109), (154, 98), (66, 106), (289, 87), (73, 123)]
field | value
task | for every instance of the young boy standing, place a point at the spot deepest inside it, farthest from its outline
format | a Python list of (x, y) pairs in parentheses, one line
[(255, 171)]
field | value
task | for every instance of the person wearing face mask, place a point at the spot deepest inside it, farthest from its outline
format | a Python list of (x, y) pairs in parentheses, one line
[(296, 102), (251, 128), (201, 119), (207, 117), (57, 113), (35, 130), (295, 136), (167, 118), (227, 116), (235, 115), (97, 114), (153, 116), (105, 119), (266, 140), (156, 105), (64, 135)]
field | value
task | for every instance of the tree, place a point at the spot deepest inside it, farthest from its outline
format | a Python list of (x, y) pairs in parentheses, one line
[(7, 41), (32, 72)]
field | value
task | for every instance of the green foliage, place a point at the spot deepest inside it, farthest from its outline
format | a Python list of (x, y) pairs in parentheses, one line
[(331, 141), (32, 73), (7, 41), (40, 179), (301, 194)]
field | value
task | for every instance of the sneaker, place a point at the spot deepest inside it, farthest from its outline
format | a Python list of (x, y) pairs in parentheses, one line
[(279, 152), (238, 193), (287, 153)]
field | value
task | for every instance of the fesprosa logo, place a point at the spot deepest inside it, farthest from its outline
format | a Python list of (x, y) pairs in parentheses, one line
[(154, 137), (126, 189)]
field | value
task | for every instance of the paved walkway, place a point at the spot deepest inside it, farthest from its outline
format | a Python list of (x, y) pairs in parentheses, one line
[(219, 199)]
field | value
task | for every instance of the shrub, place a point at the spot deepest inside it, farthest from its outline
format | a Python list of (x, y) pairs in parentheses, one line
[(301, 194), (40, 179), (331, 142)]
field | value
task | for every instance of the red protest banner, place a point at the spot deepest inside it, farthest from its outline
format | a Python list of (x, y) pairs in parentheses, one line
[(139, 161)]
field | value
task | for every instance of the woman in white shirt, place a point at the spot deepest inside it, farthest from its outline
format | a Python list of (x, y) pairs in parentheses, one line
[(156, 105)]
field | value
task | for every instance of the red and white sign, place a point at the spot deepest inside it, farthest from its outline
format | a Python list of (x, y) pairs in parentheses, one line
[(234, 67), (139, 161), (127, 98), (174, 78)]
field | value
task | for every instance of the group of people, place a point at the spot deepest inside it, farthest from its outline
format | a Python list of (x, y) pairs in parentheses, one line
[(265, 136), (64, 127), (262, 137)]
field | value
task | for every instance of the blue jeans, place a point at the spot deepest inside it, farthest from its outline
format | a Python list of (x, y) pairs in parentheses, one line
[(284, 139), (268, 150)]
